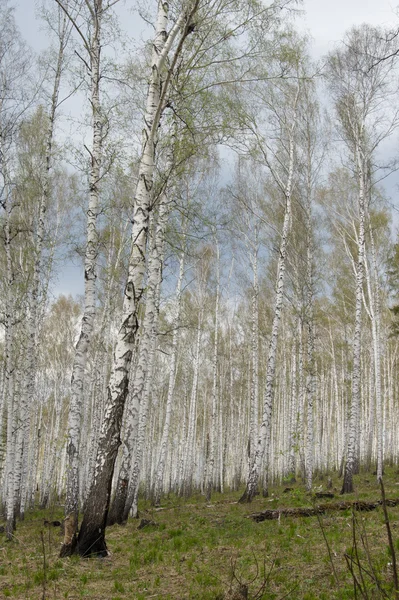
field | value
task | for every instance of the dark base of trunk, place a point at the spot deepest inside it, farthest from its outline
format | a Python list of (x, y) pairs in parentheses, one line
[(91, 543), (156, 498), (44, 503), (10, 528), (116, 513), (247, 496), (17, 511), (68, 549), (208, 493), (347, 486), (341, 467)]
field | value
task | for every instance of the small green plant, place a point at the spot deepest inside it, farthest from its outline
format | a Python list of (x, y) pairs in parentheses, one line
[(119, 587)]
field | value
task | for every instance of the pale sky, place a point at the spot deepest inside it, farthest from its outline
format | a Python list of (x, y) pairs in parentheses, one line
[(328, 20), (325, 20)]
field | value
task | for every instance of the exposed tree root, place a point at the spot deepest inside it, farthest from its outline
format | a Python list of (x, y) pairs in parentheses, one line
[(319, 509)]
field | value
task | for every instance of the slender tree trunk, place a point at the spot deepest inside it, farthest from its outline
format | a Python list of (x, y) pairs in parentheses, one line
[(375, 311), (215, 390), (186, 478), (90, 276), (28, 396), (8, 387), (265, 429), (254, 422), (311, 376), (352, 446), (293, 431), (171, 387)]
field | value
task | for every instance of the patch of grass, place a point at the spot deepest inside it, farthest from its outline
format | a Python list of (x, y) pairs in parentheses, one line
[(190, 553), (118, 586)]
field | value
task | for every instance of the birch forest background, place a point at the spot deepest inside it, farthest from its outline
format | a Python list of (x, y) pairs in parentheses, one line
[(229, 208)]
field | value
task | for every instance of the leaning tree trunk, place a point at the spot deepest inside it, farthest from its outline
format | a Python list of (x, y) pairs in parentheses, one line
[(141, 389), (91, 539), (252, 483)]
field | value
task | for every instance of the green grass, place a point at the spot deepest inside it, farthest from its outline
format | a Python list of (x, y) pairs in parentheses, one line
[(198, 549)]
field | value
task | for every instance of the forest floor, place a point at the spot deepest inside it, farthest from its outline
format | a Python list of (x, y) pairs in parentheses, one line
[(202, 550)]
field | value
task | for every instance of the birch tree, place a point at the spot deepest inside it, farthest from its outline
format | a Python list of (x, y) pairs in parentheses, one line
[(359, 89), (62, 30), (160, 470), (15, 100), (167, 46), (88, 24), (287, 121)]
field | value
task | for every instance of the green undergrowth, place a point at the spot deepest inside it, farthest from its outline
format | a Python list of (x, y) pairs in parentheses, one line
[(201, 550)]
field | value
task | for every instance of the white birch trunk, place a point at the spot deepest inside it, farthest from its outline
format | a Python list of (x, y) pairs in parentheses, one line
[(265, 429), (215, 388), (374, 310), (188, 456), (254, 423), (141, 388), (171, 387), (90, 275), (91, 535), (293, 430), (143, 381), (28, 396), (311, 377), (353, 440), (8, 389)]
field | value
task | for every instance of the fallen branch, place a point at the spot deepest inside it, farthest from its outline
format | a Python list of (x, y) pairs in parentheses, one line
[(320, 509)]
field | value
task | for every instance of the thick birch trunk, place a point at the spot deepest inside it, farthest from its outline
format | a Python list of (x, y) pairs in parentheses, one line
[(142, 384), (91, 535)]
